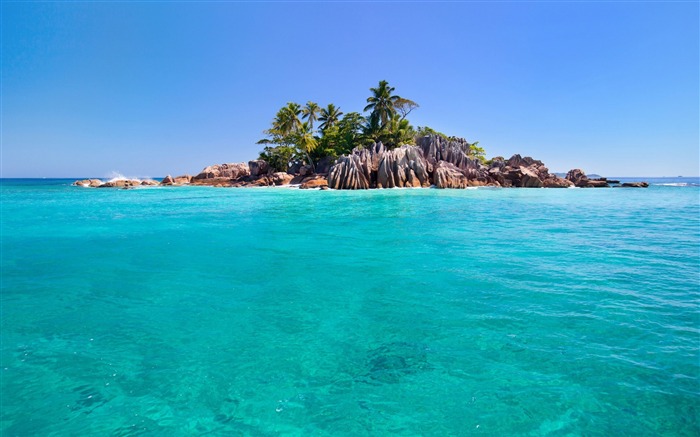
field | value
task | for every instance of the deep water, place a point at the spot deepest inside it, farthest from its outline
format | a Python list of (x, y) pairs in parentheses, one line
[(275, 311)]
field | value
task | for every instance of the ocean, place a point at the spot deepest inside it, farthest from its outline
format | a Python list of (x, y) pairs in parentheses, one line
[(275, 311)]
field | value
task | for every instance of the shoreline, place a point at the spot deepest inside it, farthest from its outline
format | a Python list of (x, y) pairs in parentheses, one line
[(432, 161)]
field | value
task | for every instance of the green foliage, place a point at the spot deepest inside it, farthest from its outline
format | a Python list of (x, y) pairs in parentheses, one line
[(278, 157), (289, 139), (330, 116), (477, 152), (422, 131), (310, 113), (404, 106), (382, 104), (398, 132), (341, 138), (387, 120)]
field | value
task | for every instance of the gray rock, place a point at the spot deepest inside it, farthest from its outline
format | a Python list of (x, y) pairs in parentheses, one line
[(448, 175), (403, 167), (294, 168), (635, 185), (324, 165), (306, 170), (257, 168), (350, 173)]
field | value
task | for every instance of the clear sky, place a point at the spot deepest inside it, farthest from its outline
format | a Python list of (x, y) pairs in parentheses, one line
[(155, 88)]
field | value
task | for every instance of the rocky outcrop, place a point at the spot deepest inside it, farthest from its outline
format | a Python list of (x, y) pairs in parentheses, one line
[(377, 167), (402, 167), (350, 172), (315, 182), (306, 170), (579, 179), (597, 183), (324, 165), (212, 182), (426, 163), (557, 182), (442, 162), (294, 168), (182, 180), (256, 168), (455, 151), (168, 180), (115, 183), (448, 175), (92, 183), (524, 177), (121, 183), (634, 185), (229, 171), (281, 178)]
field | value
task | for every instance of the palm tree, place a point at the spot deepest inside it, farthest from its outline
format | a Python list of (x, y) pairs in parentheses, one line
[(287, 120), (381, 102), (310, 112), (330, 115), (285, 124), (371, 127), (307, 142)]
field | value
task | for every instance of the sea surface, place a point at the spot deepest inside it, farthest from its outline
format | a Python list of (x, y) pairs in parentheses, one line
[(276, 311)]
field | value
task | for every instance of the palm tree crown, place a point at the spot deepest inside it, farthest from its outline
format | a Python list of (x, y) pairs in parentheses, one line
[(381, 102), (287, 119), (310, 112), (330, 115)]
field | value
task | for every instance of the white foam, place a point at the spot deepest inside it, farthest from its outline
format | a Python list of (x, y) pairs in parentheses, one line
[(116, 176)]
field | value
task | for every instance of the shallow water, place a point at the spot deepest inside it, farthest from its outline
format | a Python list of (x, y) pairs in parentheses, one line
[(179, 311)]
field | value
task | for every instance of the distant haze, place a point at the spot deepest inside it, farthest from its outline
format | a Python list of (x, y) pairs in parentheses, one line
[(148, 89)]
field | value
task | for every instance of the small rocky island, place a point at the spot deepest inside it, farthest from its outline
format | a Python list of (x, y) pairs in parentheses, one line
[(380, 150), (434, 161)]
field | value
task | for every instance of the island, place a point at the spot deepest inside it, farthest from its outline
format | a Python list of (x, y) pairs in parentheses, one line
[(380, 150)]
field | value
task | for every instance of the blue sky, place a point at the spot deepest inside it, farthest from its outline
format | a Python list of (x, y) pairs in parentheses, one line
[(147, 89)]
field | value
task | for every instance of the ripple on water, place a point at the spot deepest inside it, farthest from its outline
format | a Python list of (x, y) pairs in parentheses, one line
[(409, 312)]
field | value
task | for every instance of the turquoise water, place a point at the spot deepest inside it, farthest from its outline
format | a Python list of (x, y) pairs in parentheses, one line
[(180, 311)]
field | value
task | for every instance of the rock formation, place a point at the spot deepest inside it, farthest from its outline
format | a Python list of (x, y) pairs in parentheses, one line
[(402, 167), (579, 179), (448, 175), (434, 160), (256, 168), (121, 183), (314, 182), (427, 162), (92, 183), (281, 178), (229, 171), (350, 172)]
